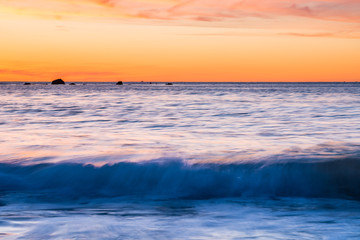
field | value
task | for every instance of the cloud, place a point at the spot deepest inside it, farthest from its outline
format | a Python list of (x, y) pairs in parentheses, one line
[(347, 11), (338, 34), (310, 34), (89, 73), (196, 10), (336, 10), (49, 74), (105, 3), (18, 72)]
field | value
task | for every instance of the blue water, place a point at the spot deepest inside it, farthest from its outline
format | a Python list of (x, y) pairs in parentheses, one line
[(187, 161)]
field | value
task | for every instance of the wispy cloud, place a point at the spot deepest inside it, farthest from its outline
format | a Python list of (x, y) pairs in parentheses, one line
[(310, 34), (18, 72), (198, 10), (52, 74), (337, 34), (89, 73), (349, 35), (330, 15), (106, 3)]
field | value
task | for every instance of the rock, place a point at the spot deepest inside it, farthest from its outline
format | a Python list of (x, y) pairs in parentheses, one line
[(119, 83), (72, 83), (58, 81), (27, 83)]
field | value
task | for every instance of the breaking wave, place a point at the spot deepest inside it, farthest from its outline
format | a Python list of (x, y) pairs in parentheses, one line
[(338, 178)]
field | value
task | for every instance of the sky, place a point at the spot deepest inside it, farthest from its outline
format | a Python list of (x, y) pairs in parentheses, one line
[(180, 40)]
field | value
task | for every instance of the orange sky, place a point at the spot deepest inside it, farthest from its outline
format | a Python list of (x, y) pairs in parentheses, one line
[(180, 40)]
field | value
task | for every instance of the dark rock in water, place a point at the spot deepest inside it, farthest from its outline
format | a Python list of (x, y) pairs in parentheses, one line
[(58, 81), (27, 83), (72, 83), (119, 83), (168, 83)]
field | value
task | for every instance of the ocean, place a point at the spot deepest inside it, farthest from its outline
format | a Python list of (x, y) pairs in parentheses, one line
[(181, 161)]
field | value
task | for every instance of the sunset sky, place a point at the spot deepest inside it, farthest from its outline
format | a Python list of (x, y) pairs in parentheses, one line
[(180, 40)]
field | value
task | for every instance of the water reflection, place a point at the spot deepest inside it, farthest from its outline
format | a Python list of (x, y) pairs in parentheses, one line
[(193, 121)]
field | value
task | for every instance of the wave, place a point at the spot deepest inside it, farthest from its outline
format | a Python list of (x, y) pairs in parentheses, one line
[(337, 178)]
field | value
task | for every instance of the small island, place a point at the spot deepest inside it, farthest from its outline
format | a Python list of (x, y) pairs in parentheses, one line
[(57, 82)]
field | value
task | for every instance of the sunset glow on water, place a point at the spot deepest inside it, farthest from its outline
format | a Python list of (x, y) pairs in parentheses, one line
[(105, 161)]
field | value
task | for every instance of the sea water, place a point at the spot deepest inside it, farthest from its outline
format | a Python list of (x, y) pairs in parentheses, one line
[(181, 161)]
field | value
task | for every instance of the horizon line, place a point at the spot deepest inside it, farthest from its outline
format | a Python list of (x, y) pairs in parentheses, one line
[(346, 81)]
